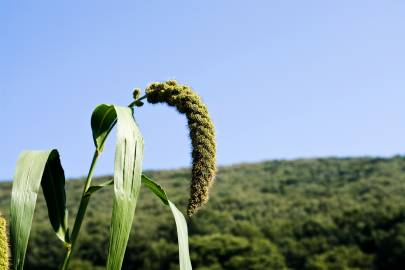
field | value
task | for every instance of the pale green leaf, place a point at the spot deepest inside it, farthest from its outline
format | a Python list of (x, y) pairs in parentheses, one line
[(181, 224), (182, 235), (127, 174), (35, 168)]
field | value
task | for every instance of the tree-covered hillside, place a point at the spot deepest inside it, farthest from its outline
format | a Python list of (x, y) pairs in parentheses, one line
[(303, 214)]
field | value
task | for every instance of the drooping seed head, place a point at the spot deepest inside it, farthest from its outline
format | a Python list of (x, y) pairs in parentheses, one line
[(201, 131), (4, 249)]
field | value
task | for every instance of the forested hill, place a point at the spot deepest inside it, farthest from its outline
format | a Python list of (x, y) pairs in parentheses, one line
[(303, 214)]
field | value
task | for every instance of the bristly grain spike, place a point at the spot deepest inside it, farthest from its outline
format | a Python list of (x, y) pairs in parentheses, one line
[(4, 248), (202, 135)]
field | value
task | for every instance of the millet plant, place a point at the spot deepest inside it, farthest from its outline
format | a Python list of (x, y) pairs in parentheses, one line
[(35, 168), (4, 260)]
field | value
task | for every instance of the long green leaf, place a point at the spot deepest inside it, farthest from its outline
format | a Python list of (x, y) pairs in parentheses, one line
[(35, 168), (127, 174), (181, 224)]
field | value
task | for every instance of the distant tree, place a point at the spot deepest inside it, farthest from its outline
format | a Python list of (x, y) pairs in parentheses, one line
[(341, 258)]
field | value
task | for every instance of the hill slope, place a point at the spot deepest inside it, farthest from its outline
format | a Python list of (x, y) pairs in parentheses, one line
[(302, 214)]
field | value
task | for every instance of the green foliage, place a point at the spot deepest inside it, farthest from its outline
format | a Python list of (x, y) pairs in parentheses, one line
[(341, 258), (307, 214), (127, 184), (43, 167), (234, 252), (83, 265), (181, 224), (35, 168)]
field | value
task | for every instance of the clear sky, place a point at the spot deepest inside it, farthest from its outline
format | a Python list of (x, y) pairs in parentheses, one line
[(282, 79)]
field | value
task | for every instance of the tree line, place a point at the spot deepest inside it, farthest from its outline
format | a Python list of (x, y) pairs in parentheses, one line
[(346, 213)]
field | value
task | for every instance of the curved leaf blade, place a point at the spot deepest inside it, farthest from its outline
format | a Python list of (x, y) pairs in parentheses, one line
[(127, 183), (35, 168), (96, 188), (103, 119), (155, 188), (181, 224)]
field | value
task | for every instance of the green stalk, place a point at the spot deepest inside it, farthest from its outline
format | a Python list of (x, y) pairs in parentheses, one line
[(84, 202), (137, 100)]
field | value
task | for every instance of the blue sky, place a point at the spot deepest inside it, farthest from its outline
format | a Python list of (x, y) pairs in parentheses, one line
[(282, 79)]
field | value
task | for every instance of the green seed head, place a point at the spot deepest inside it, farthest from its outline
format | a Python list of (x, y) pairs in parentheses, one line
[(202, 135), (3, 245)]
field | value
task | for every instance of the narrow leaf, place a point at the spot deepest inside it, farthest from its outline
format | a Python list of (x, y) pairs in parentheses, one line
[(181, 224), (96, 188), (127, 179), (182, 235), (35, 168), (155, 188)]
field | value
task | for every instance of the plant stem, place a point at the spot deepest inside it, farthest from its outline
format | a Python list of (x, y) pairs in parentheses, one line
[(84, 202), (135, 101), (66, 259)]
